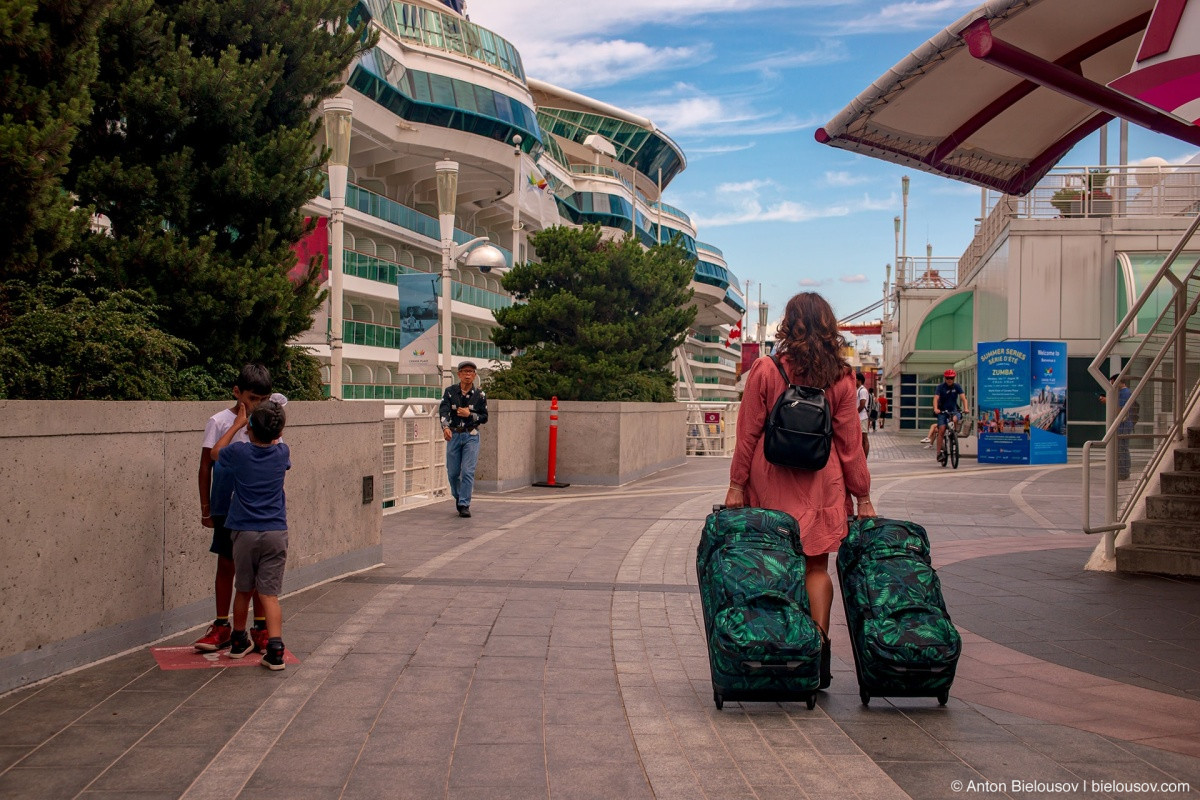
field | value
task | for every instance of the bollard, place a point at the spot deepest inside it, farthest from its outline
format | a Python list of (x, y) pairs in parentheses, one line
[(552, 451)]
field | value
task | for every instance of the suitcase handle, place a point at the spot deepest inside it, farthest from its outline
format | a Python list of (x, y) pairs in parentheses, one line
[(758, 666)]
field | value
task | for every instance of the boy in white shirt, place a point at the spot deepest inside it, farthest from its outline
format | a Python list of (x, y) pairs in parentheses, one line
[(252, 387)]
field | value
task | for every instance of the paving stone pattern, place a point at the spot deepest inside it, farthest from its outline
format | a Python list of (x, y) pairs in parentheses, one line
[(552, 646)]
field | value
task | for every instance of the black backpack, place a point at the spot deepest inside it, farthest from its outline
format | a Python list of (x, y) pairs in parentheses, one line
[(799, 429)]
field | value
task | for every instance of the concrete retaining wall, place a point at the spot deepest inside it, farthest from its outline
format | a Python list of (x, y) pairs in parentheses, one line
[(102, 548), (606, 444)]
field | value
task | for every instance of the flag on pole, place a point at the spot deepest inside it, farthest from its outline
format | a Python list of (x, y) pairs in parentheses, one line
[(734, 333)]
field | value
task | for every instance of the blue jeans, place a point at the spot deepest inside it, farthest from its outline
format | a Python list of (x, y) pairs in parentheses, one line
[(462, 452)]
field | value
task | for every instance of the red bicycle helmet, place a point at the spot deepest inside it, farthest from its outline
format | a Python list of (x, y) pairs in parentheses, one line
[(949, 373)]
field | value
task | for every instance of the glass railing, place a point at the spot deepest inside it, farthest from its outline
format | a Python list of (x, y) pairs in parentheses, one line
[(433, 99), (383, 208), (371, 268), (473, 348), (675, 212), (603, 172), (476, 296), (709, 248), (373, 335), (449, 33), (373, 391)]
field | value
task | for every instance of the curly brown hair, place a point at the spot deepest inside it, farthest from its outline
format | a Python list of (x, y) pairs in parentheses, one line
[(809, 342)]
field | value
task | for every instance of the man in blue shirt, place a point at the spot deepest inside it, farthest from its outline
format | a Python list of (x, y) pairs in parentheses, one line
[(948, 401)]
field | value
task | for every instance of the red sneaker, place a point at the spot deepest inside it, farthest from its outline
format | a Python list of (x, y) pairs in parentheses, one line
[(217, 638), (259, 636)]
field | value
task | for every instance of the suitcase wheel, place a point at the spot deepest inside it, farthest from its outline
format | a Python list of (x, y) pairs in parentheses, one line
[(865, 696), (720, 701), (943, 697), (811, 703)]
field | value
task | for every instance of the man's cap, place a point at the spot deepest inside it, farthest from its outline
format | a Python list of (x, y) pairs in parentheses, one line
[(464, 364)]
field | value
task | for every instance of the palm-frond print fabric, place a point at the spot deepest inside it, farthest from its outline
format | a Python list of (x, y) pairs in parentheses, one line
[(903, 637), (756, 616)]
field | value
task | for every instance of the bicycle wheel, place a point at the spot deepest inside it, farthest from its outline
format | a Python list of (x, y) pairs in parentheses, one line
[(953, 443)]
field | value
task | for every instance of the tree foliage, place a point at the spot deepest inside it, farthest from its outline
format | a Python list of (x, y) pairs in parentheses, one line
[(200, 152), (47, 63), (60, 344), (595, 320), (190, 126)]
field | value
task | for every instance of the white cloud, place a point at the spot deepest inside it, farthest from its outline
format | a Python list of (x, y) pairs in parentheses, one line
[(594, 62), (843, 178), (565, 19), (745, 187), (829, 51), (809, 282), (743, 203), (711, 116), (909, 16), (716, 150), (857, 278)]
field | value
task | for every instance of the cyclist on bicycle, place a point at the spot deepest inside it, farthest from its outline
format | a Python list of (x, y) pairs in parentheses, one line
[(948, 401)]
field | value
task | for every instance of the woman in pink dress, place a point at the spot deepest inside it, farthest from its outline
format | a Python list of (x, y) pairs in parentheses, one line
[(810, 349)]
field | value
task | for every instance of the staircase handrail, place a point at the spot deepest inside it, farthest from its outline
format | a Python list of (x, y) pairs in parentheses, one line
[(1124, 412), (1117, 414)]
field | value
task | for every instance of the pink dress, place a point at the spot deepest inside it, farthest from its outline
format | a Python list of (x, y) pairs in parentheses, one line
[(818, 500)]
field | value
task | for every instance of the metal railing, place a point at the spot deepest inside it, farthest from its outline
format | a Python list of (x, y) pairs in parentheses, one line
[(1163, 375), (1156, 190), (414, 455), (927, 272), (711, 429)]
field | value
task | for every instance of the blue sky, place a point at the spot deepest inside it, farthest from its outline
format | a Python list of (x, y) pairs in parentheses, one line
[(742, 85)]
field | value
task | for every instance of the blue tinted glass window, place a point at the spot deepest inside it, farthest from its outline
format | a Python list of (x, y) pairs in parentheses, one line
[(486, 101), (464, 95), (420, 86), (443, 89)]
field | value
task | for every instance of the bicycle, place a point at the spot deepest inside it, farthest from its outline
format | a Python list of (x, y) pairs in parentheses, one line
[(949, 449)]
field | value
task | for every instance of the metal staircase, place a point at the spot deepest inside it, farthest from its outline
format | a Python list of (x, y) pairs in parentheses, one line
[(1151, 448)]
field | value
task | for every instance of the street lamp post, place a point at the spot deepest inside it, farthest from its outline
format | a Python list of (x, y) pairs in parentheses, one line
[(483, 256), (339, 116), (896, 259)]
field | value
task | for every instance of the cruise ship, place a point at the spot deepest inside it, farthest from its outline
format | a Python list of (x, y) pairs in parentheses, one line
[(439, 88)]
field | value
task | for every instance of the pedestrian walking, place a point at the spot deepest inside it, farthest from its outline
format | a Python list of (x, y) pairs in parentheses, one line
[(810, 349), (462, 411)]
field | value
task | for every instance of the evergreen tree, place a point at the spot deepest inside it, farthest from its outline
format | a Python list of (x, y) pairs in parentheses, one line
[(596, 319), (200, 152), (47, 61)]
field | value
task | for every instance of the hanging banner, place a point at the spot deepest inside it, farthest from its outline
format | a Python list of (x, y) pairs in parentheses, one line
[(313, 245), (1022, 402), (419, 327)]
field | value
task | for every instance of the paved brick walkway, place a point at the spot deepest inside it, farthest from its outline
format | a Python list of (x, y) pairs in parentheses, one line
[(552, 646)]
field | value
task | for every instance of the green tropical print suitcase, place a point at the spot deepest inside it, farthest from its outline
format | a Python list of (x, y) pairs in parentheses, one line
[(762, 642), (904, 642)]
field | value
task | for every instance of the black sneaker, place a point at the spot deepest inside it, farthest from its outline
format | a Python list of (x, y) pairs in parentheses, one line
[(240, 644), (464, 511), (273, 659)]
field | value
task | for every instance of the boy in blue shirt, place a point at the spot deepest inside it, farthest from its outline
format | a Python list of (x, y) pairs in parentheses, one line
[(252, 386), (257, 522)]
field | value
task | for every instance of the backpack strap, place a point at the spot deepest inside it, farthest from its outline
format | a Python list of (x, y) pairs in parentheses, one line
[(779, 366)]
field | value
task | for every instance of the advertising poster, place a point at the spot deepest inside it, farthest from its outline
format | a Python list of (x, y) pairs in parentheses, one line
[(1004, 390), (1022, 402), (419, 327), (1048, 403)]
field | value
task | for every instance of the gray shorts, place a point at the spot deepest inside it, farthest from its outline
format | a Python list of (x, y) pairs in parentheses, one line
[(258, 561)]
